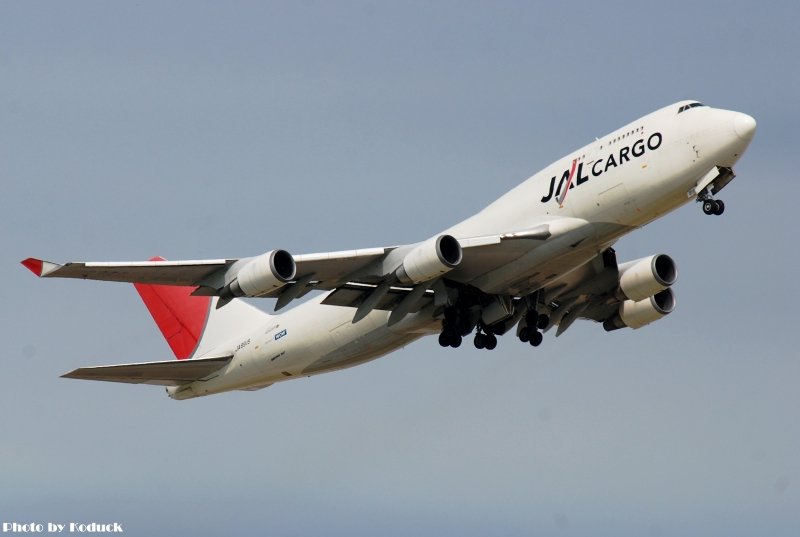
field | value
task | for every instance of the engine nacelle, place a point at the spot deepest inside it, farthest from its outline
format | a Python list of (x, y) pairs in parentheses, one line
[(430, 259), (645, 277), (637, 314), (261, 275)]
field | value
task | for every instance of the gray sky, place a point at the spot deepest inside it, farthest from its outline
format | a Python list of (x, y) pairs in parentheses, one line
[(199, 129)]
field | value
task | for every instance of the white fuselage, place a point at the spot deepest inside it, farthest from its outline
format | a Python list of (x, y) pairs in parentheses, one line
[(619, 182)]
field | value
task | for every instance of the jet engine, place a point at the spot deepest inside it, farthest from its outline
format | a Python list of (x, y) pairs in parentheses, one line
[(261, 275), (636, 314), (645, 277), (430, 259)]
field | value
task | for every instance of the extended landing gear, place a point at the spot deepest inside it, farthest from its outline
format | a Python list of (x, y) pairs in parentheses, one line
[(531, 335), (486, 317), (449, 339), (712, 206), (455, 326), (458, 323), (530, 332), (485, 341)]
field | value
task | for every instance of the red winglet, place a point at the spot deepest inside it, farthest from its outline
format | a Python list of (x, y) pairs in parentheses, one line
[(34, 265)]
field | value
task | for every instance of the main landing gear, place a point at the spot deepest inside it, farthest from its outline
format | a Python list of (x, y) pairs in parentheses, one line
[(533, 323), (455, 326), (487, 340), (458, 323), (467, 316)]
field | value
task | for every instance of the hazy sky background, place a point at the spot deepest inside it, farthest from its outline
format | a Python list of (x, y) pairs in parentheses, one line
[(200, 129)]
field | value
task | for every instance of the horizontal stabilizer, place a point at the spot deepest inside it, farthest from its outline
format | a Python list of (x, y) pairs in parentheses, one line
[(171, 373)]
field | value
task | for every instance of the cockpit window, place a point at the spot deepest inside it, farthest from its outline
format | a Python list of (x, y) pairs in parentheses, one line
[(688, 106)]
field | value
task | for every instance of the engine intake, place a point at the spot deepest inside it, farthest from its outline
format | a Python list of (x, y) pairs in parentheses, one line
[(636, 314), (430, 259), (645, 277), (261, 275)]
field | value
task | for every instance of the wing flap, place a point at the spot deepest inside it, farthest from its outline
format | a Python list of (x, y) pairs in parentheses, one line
[(170, 373), (353, 294)]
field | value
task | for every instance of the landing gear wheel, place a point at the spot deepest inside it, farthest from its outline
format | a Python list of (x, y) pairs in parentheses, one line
[(444, 341), (536, 339), (525, 335), (480, 341), (491, 342), (720, 207), (544, 320), (449, 339), (709, 207)]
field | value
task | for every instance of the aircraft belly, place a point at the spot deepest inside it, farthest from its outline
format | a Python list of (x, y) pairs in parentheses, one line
[(530, 277), (368, 347)]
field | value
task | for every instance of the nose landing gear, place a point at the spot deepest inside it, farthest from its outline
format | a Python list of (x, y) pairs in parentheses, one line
[(712, 206)]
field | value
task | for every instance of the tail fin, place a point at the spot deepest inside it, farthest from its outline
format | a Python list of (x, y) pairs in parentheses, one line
[(192, 325)]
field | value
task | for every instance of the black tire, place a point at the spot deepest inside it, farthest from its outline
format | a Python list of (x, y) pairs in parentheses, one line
[(491, 342), (544, 320), (479, 341), (455, 341), (536, 339), (720, 207), (525, 335), (709, 206), (444, 341)]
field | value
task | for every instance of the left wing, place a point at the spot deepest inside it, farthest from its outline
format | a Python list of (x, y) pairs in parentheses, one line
[(156, 271), (357, 273), (328, 269)]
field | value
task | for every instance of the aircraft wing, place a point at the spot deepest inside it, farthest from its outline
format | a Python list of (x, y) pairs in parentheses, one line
[(156, 271), (170, 373), (329, 270)]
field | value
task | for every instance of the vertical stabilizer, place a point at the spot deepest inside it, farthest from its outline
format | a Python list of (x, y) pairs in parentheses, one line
[(192, 325)]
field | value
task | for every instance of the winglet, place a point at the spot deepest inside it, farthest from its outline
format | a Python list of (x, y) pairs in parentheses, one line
[(39, 267)]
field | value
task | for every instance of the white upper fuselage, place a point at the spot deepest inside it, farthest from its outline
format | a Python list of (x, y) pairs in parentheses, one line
[(618, 183)]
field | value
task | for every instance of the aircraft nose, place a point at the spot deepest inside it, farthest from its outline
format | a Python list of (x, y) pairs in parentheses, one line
[(744, 126)]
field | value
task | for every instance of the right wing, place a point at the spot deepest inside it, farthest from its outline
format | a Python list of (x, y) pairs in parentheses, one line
[(171, 373)]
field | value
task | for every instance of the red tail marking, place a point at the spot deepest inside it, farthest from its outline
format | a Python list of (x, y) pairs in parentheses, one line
[(180, 316), (34, 265)]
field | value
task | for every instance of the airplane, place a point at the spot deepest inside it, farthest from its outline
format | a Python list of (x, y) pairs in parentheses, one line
[(538, 258)]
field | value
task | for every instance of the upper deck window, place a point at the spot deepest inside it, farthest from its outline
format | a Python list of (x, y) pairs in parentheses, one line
[(688, 106)]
